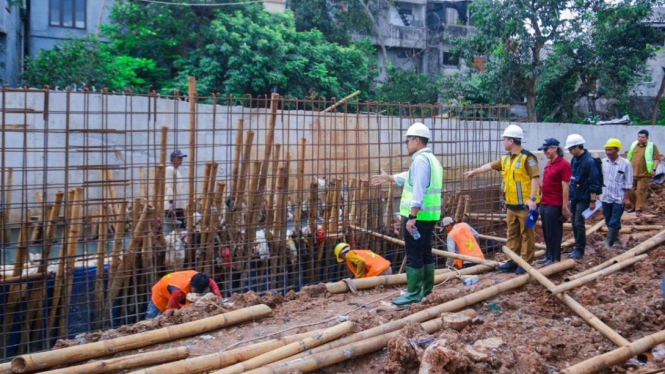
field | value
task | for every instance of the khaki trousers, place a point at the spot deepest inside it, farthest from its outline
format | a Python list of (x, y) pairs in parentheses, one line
[(521, 239), (640, 192)]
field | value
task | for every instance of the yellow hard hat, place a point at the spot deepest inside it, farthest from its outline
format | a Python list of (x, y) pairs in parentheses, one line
[(338, 250), (613, 143)]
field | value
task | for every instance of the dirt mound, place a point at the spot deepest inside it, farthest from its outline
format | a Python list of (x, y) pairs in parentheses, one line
[(404, 351), (239, 301), (309, 292)]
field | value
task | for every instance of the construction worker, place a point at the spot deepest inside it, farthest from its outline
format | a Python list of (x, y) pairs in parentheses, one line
[(462, 239), (174, 203), (520, 183), (420, 208), (618, 178), (171, 291), (644, 157), (554, 208), (585, 187), (363, 263)]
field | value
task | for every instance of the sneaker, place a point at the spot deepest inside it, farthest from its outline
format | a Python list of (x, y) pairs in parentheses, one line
[(543, 260), (520, 270), (576, 255), (508, 267), (545, 263)]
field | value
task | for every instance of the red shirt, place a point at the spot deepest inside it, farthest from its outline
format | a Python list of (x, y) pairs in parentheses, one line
[(556, 171)]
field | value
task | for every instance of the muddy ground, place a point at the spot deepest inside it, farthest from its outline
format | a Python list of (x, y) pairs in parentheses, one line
[(523, 331)]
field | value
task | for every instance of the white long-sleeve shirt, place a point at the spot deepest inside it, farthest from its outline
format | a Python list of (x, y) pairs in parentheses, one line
[(174, 190), (420, 176)]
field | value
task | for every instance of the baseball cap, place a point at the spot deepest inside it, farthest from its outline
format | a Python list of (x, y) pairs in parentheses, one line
[(447, 221), (549, 142), (177, 153)]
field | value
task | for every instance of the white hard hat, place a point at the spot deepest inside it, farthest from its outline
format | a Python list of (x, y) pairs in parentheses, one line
[(418, 129), (447, 221), (513, 131), (573, 140)]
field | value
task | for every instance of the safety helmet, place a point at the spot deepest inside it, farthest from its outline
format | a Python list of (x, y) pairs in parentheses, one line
[(338, 250), (613, 143), (418, 129), (573, 140), (513, 131), (447, 221)]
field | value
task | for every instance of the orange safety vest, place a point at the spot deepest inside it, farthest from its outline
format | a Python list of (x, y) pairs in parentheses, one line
[(374, 264), (179, 279), (466, 242)]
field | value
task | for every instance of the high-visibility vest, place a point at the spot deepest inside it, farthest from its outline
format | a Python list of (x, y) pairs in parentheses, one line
[(431, 209), (648, 154), (179, 279), (466, 242), (516, 179), (374, 264)]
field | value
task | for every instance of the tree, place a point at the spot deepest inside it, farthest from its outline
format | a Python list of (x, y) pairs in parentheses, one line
[(532, 47)]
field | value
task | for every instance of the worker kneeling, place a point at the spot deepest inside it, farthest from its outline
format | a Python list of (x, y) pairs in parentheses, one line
[(171, 291), (462, 240), (362, 262)]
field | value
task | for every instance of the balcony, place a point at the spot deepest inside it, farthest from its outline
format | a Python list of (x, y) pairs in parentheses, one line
[(406, 37)]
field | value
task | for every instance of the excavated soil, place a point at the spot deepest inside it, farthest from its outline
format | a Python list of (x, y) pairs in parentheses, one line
[(517, 332)]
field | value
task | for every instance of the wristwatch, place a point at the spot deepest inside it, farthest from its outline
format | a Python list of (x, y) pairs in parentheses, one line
[(533, 198), (411, 216)]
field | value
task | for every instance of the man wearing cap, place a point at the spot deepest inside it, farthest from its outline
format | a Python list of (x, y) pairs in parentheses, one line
[(363, 263), (520, 183), (420, 208), (644, 157), (174, 201), (171, 291), (554, 208), (618, 178), (585, 186), (462, 239)]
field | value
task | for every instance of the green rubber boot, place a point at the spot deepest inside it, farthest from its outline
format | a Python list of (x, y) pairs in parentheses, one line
[(414, 286), (428, 279)]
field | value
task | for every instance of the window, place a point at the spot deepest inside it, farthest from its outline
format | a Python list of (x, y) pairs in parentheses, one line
[(452, 16), (68, 13), (450, 59)]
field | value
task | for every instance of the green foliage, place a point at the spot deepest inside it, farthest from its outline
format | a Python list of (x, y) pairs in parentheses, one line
[(230, 50), (336, 19), (407, 86)]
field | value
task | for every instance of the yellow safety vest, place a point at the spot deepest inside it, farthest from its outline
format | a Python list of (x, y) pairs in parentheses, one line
[(516, 179), (648, 154), (431, 209)]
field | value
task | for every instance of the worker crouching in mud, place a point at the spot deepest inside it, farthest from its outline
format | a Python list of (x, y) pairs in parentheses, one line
[(363, 263), (171, 291)]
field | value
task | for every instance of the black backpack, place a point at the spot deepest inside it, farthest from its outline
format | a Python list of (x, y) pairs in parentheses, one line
[(599, 166)]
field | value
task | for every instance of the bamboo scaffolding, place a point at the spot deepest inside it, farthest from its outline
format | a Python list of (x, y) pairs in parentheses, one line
[(118, 239), (15, 291), (645, 246), (300, 186), (70, 262), (270, 209), (164, 141), (434, 311), (126, 362), (8, 187), (617, 356), (206, 230), (576, 307), (594, 276), (34, 236), (27, 278), (143, 182), (235, 174), (101, 254), (458, 211), (191, 206), (310, 342), (48, 359), (244, 170), (500, 217), (222, 359)]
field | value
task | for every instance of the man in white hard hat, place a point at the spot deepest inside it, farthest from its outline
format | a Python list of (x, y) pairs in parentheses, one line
[(420, 208), (520, 181), (585, 186)]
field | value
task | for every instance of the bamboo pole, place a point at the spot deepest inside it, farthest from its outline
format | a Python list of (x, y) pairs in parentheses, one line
[(191, 206), (209, 230), (205, 195), (160, 181), (270, 209), (465, 258), (111, 190), (126, 362), (300, 186), (236, 157), (15, 291), (101, 254), (70, 263), (504, 240), (45, 360), (310, 342), (244, 169), (6, 368), (163, 145), (9, 186), (435, 311), (34, 236), (617, 356), (500, 217), (26, 278), (345, 99), (467, 206), (217, 360), (593, 276), (118, 239), (645, 246), (458, 211), (576, 307), (143, 182)]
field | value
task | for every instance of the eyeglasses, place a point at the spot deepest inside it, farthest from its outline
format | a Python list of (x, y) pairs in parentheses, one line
[(407, 140)]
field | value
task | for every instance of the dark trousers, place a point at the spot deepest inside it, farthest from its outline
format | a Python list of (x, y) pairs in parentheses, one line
[(552, 230), (612, 213), (579, 228), (178, 214), (419, 252)]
